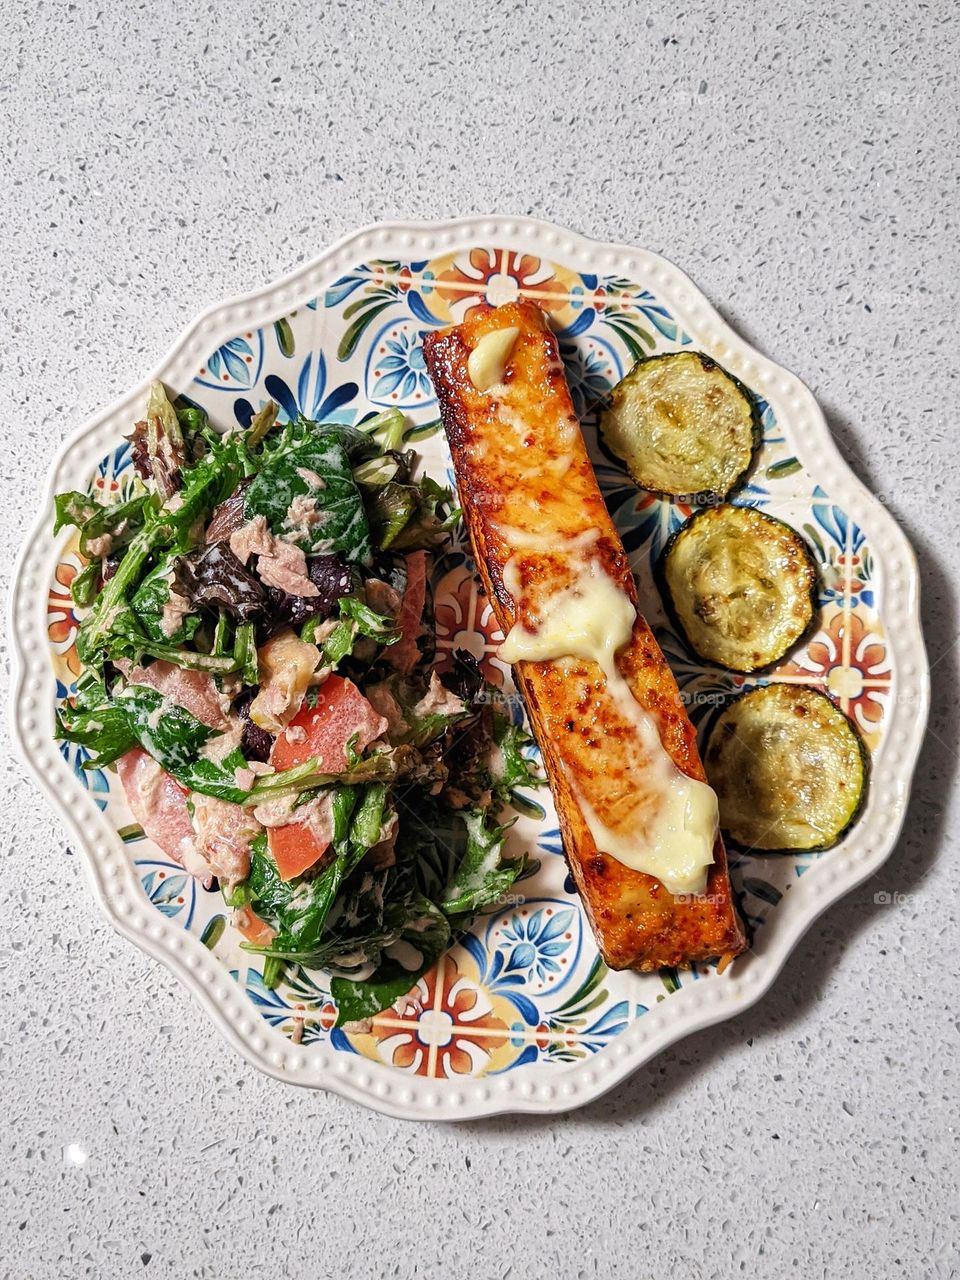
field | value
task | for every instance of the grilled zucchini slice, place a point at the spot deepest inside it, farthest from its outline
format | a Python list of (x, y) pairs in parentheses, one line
[(740, 585), (788, 767), (685, 427)]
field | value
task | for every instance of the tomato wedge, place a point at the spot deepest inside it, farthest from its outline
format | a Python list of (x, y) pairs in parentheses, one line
[(324, 730), (295, 849), (253, 928)]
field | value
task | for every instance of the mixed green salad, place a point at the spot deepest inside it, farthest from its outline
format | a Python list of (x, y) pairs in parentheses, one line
[(258, 657)]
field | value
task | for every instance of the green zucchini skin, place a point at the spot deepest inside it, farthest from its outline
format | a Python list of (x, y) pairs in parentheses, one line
[(776, 594), (699, 479), (789, 768)]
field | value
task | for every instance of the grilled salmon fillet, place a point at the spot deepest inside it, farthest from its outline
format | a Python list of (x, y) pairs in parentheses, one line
[(531, 504)]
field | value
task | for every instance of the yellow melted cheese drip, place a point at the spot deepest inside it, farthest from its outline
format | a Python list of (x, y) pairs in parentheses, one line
[(592, 619)]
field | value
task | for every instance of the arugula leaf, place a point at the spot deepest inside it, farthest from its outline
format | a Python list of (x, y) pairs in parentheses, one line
[(368, 819), (262, 423), (367, 621), (358, 443), (411, 517), (117, 523), (423, 928), (215, 778), (426, 727), (245, 654), (150, 599), (381, 766), (90, 691), (262, 885), (83, 588), (141, 716), (127, 639), (483, 875), (204, 486), (356, 619), (73, 508), (391, 510), (310, 464), (509, 767), (338, 644), (298, 908), (487, 762), (219, 645), (167, 731), (193, 421), (430, 844), (104, 730), (91, 719), (386, 428), (175, 739), (376, 471)]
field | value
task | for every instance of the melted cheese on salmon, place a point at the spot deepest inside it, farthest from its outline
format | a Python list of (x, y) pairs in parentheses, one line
[(636, 814), (672, 826), (581, 612)]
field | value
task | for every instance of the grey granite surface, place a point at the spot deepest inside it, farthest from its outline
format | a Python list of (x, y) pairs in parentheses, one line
[(801, 162)]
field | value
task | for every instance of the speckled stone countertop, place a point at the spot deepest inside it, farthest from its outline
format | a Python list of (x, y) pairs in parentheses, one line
[(801, 163)]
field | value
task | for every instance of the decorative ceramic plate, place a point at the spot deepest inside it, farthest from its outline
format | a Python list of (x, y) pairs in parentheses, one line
[(521, 1015)]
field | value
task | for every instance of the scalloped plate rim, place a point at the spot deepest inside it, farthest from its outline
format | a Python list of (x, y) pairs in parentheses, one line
[(358, 1079)]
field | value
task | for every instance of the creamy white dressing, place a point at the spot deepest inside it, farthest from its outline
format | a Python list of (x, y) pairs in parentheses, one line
[(192, 860), (216, 749), (165, 707), (592, 618), (405, 954), (176, 607)]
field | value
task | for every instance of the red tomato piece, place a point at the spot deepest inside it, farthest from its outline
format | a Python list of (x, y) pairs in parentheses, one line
[(324, 730), (297, 846), (253, 928)]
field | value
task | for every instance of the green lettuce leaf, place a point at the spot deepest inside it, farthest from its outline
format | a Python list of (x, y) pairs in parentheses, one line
[(298, 909), (83, 589), (356, 619), (73, 508), (484, 874), (150, 598), (245, 653), (410, 517), (509, 767), (117, 522), (204, 486), (305, 450)]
